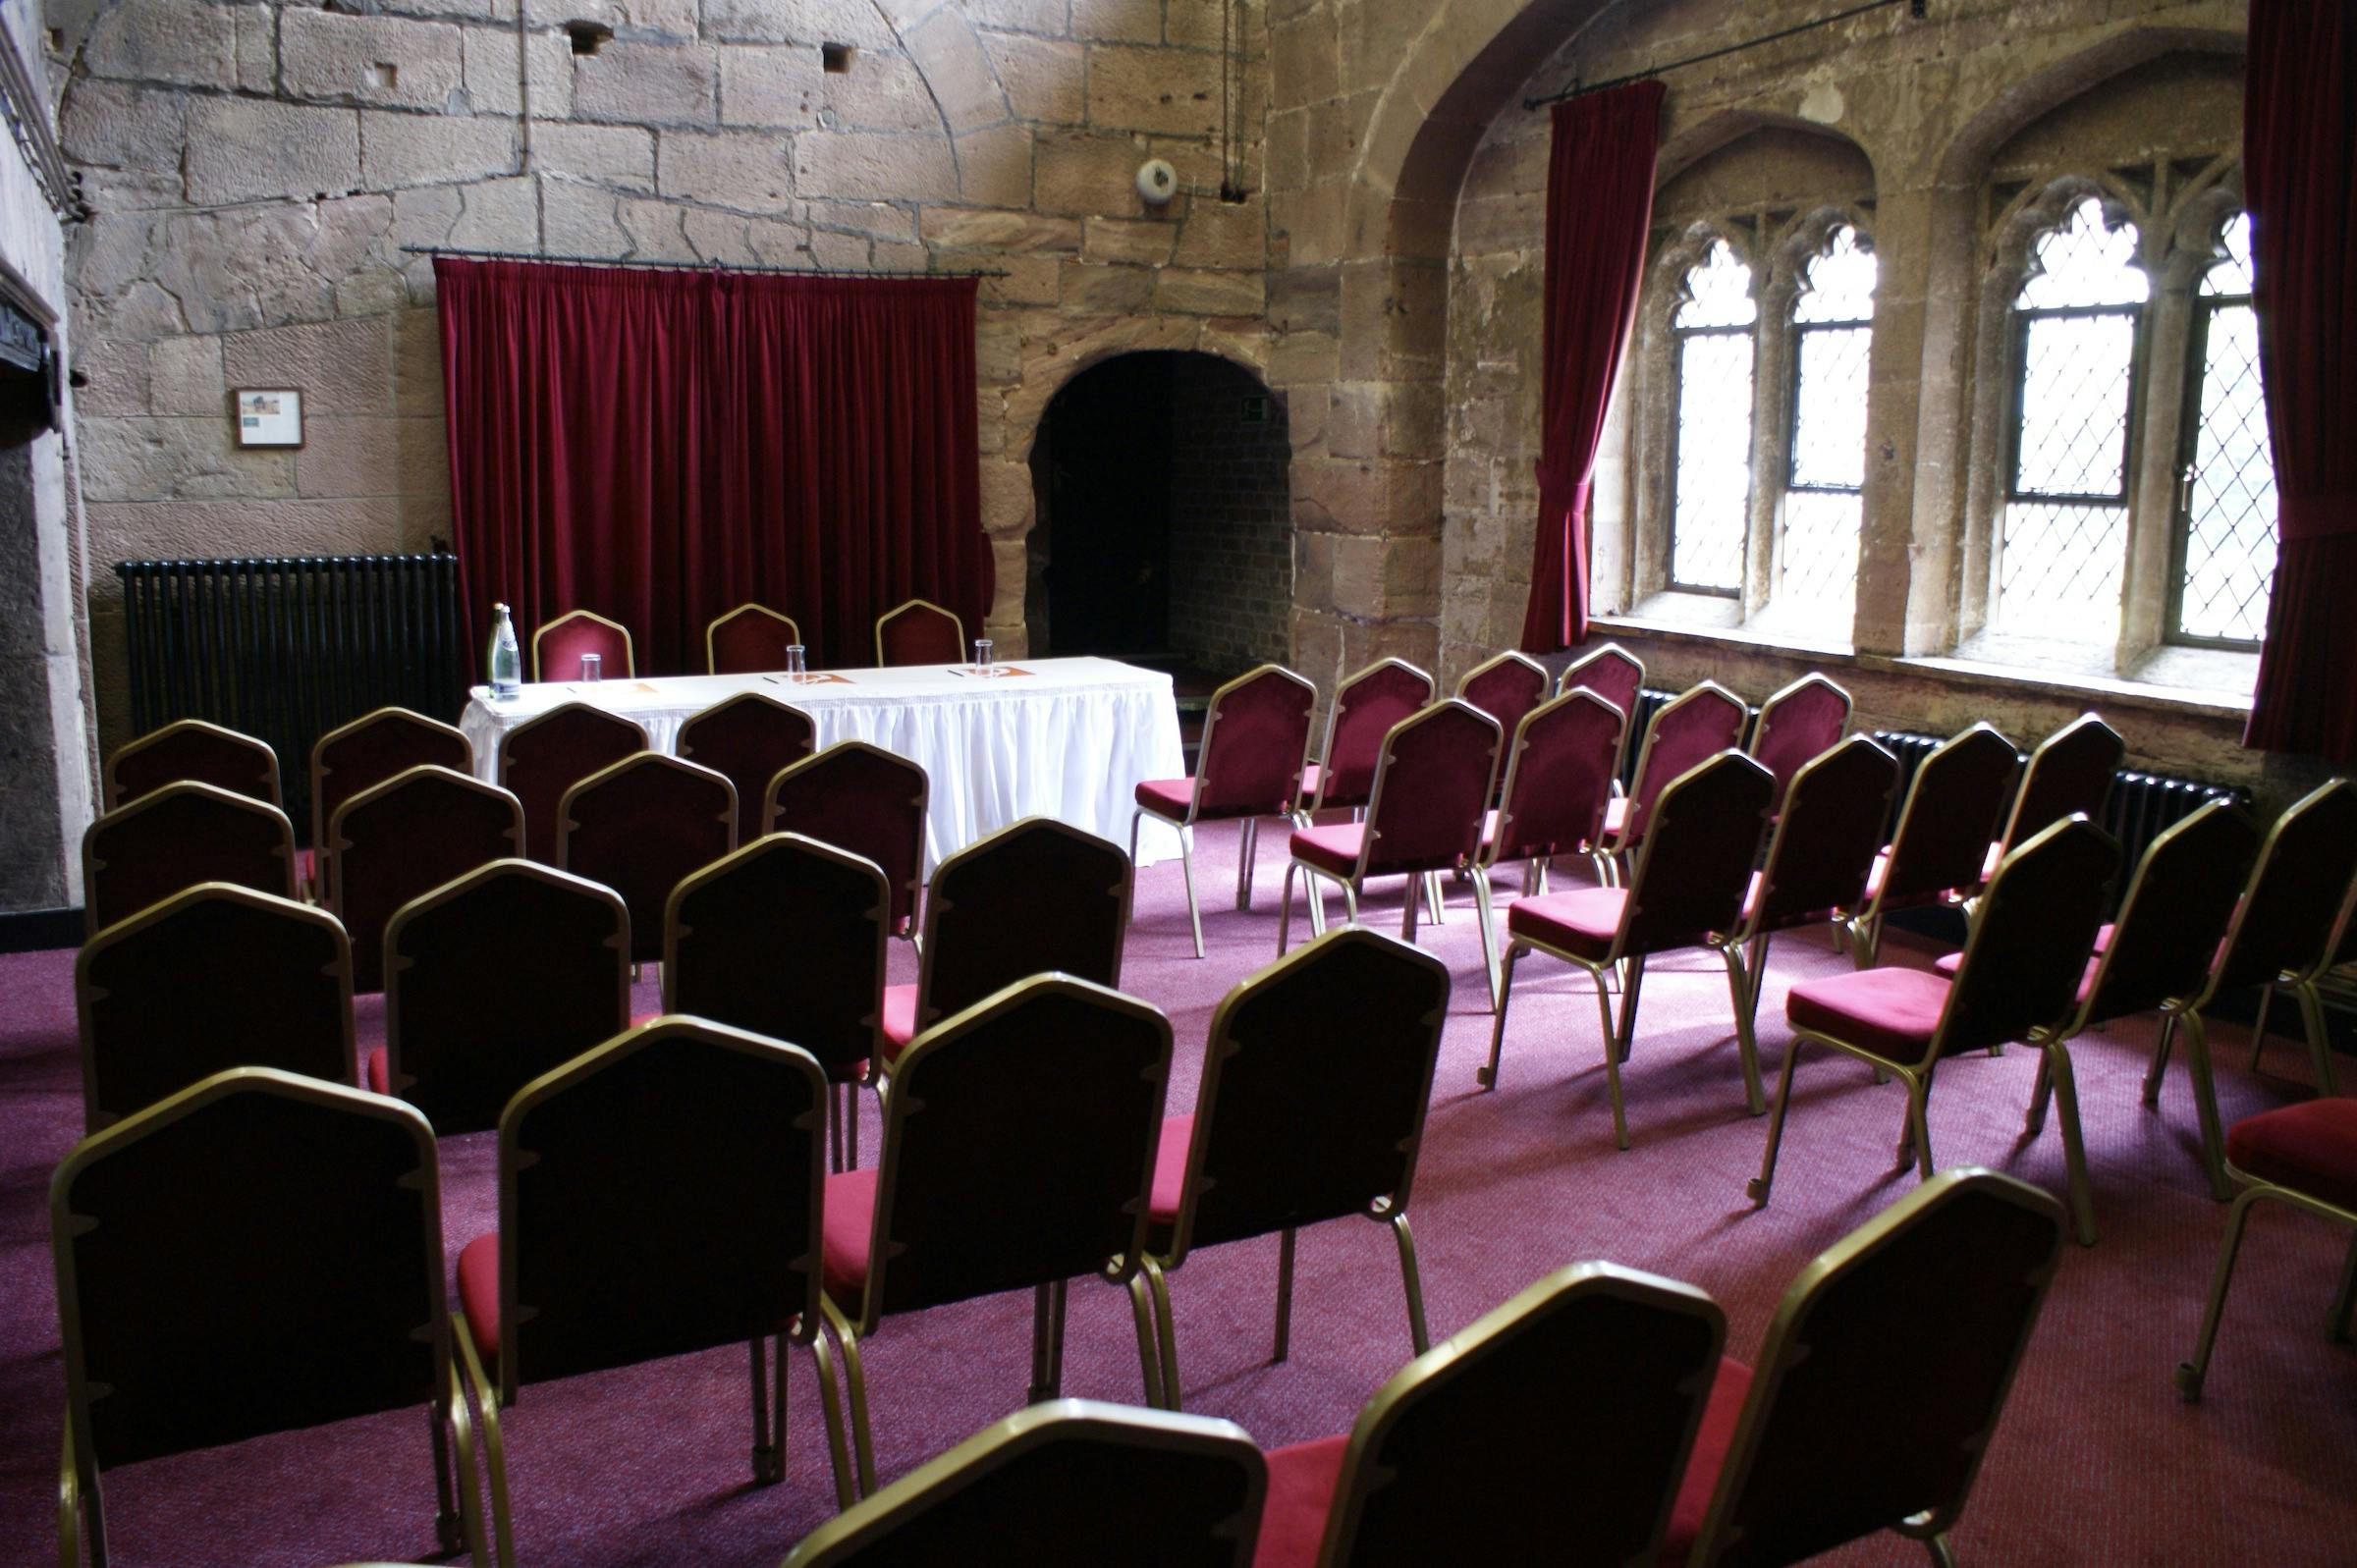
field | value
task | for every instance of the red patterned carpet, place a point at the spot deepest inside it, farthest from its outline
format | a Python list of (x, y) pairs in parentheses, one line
[(2097, 1460)]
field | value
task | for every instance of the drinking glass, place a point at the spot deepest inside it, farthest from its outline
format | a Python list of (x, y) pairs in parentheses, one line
[(982, 657), (593, 666), (795, 670)]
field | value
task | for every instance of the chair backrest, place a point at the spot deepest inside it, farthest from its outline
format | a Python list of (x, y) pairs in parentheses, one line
[(1798, 722), (750, 738), (213, 976), (861, 798), (2287, 921), (543, 757), (1070, 1481), (192, 751), (1365, 707), (1696, 864), (1038, 896), (828, 908), (2070, 771), (750, 638), (1019, 1146), (640, 827), (496, 978), (1611, 672), (706, 1234), (1315, 1084), (1433, 787), (407, 837), (558, 646), (2030, 939), (920, 633), (1845, 1432), (176, 837), (2176, 916), (370, 750), (1945, 828), (1559, 770), (295, 1229), (1506, 686), (1574, 1406), (1255, 743), (1691, 727), (1826, 836)]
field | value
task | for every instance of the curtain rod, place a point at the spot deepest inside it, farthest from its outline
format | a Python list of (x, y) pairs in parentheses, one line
[(1580, 89), (692, 267)]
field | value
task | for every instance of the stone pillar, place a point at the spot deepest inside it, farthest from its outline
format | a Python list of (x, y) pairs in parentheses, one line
[(44, 778)]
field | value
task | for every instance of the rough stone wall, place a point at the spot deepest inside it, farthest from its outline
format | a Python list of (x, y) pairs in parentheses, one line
[(1231, 536)]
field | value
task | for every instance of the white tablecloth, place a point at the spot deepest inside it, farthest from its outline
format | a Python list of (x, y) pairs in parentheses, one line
[(1071, 740)]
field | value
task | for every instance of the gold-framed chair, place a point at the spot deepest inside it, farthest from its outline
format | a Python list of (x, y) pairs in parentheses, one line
[(416, 831), (860, 797), (1936, 854), (294, 1228), (1616, 674), (1692, 726), (1801, 720), (919, 632), (641, 826), (1506, 686), (750, 738), (549, 753), (173, 838), (192, 751), (365, 753), (1366, 705), (2070, 771), (748, 639), (558, 646)]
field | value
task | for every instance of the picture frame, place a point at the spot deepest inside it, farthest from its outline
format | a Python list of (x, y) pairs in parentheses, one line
[(267, 416)]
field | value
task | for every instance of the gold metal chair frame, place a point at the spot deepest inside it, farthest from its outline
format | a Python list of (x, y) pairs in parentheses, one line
[(1569, 680), (369, 797), (630, 654), (91, 863), (841, 1538), (164, 732), (389, 714), (2192, 1373), (86, 994), (1611, 848), (1865, 929), (956, 624), (1762, 723), (660, 760), (1248, 841), (1150, 1287), (1307, 810), (924, 803), (768, 1439), (538, 718), (749, 608), (457, 1519), (2030, 767), (1496, 661)]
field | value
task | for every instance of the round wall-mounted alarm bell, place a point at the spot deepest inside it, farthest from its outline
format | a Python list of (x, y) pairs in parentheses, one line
[(1157, 181)]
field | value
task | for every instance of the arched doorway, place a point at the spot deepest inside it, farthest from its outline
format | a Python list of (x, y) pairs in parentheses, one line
[(1164, 532)]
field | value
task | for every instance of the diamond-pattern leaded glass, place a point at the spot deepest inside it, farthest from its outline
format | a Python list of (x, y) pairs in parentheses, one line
[(1821, 551), (2059, 570), (2230, 523), (1713, 478), (2075, 373), (1834, 315)]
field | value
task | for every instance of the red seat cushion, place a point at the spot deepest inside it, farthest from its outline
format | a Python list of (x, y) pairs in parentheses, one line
[(1166, 797), (306, 872), (850, 1216), (899, 1019), (1581, 922), (1293, 1520), (2310, 1148), (478, 1293), (1334, 849), (1170, 1168), (380, 1071), (1948, 963), (1751, 894), (1711, 1441), (1310, 774), (1615, 815), (1891, 1011), (1876, 871)]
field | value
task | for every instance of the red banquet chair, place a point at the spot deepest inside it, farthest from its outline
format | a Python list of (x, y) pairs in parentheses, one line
[(727, 925), (640, 827), (861, 798), (1032, 1488), (1433, 779), (1315, 1083), (406, 837), (2024, 958), (749, 640), (1018, 1151), (544, 756), (920, 633), (1561, 769), (1796, 723), (211, 978), (706, 1235), (1574, 1406), (1365, 708), (1616, 676), (1935, 853), (2286, 931), (495, 978), (1691, 727), (749, 739), (1506, 686), (1687, 893), (366, 753), (1038, 896), (175, 837), (558, 647), (295, 1229), (1255, 749), (192, 751), (2071, 770)]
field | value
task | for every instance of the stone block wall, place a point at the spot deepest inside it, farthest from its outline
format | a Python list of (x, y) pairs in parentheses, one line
[(1231, 534)]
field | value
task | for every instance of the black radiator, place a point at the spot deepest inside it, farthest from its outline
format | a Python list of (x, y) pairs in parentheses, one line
[(286, 648)]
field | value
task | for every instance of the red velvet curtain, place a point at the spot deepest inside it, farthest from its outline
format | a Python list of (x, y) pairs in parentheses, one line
[(2299, 140), (1599, 207), (660, 446)]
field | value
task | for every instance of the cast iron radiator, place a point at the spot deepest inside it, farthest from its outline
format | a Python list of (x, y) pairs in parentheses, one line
[(287, 648)]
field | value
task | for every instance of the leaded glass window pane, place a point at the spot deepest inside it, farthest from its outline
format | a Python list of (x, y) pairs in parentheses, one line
[(1833, 313), (1821, 551), (2059, 563), (2229, 545), (1712, 481), (2075, 378), (2082, 263)]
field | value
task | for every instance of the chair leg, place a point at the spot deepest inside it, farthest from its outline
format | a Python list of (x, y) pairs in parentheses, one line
[(2320, 1040), (2190, 1374), (2267, 1000), (1047, 1341), (1738, 993), (1159, 1281), (1285, 1298), (1186, 868), (769, 1466), (1438, 904), (495, 1451), (1486, 915), (470, 1507), (1487, 1076), (851, 1124), (2205, 1104), (1869, 947), (1417, 1334), (1419, 891), (1757, 1189), (1611, 1054), (1942, 1554), (2053, 1068), (1919, 1126), (1628, 1004), (1285, 909), (1350, 907), (1247, 842), (2159, 1067), (2033, 1121), (1141, 1311), (847, 1486)]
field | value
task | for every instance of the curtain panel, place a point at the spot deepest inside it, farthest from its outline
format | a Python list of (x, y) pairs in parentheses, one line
[(661, 446), (1599, 211)]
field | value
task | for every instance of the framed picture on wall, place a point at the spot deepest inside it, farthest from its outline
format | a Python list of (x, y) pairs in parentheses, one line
[(269, 416)]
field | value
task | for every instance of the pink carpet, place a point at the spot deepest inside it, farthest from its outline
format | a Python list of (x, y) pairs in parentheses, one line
[(2097, 1460)]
